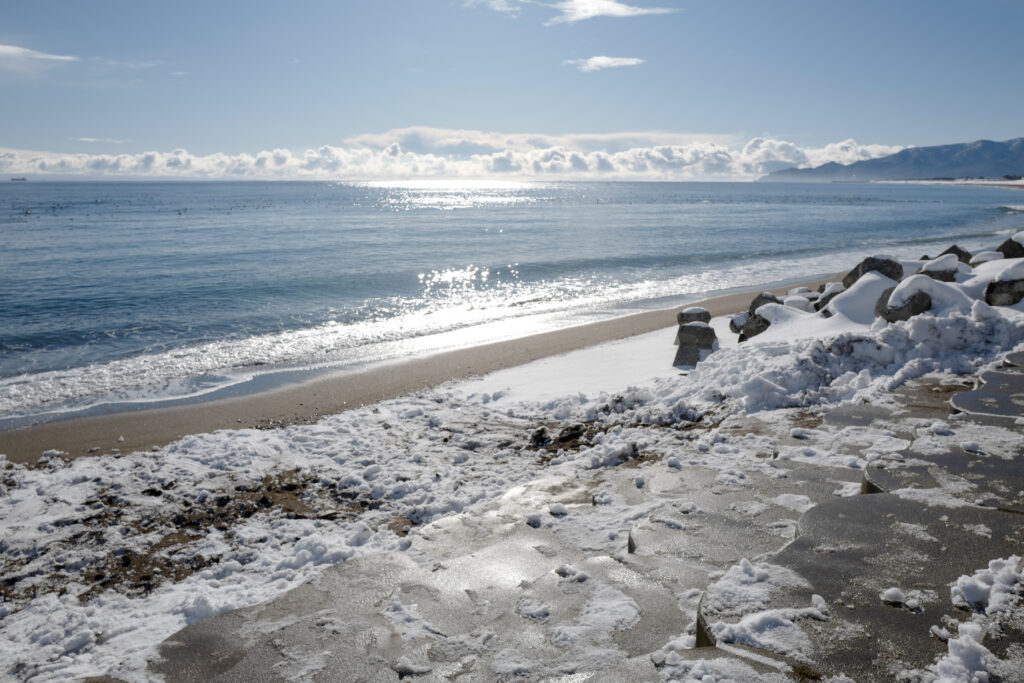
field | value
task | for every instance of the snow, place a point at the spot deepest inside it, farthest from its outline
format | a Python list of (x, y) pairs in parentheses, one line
[(990, 590), (857, 304), (991, 594), (985, 257), (945, 296), (459, 448)]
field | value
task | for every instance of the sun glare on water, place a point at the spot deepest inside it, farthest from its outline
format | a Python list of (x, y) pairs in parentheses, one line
[(453, 194)]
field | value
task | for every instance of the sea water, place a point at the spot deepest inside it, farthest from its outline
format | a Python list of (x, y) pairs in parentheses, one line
[(118, 295)]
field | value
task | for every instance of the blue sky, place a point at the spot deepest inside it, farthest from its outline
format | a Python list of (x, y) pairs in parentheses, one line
[(218, 83)]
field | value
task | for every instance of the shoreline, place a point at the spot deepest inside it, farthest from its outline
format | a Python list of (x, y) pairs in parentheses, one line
[(308, 402)]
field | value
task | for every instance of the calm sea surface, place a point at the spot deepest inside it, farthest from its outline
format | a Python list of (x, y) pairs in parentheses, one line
[(115, 295)]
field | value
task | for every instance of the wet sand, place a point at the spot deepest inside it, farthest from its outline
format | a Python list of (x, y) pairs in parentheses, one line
[(308, 402)]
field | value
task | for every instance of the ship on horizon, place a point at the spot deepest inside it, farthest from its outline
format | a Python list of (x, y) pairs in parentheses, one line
[(19, 180)]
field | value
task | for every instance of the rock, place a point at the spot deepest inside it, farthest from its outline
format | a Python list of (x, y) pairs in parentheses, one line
[(943, 269), (693, 314), (985, 257), (829, 291), (918, 303), (754, 326), (1006, 293), (696, 341), (885, 266), (882, 305), (698, 333), (737, 322), (762, 299), (1012, 248), (925, 257), (802, 291), (798, 302), (962, 255)]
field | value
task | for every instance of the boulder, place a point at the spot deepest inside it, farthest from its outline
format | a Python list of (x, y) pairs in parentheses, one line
[(885, 266), (857, 304), (943, 269), (1013, 247), (798, 302), (985, 257), (754, 326), (1004, 293), (962, 255), (829, 291), (696, 341), (737, 322), (693, 314), (882, 305), (762, 299), (918, 303)]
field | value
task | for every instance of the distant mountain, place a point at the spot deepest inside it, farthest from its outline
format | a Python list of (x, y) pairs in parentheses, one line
[(983, 158)]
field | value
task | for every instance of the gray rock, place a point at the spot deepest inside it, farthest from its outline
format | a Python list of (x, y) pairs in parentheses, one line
[(697, 333), (694, 314), (940, 275), (824, 300), (918, 303), (737, 322), (754, 326), (985, 257), (1004, 293), (887, 267), (762, 299), (945, 267), (1011, 249), (882, 305), (962, 255), (694, 339), (827, 292)]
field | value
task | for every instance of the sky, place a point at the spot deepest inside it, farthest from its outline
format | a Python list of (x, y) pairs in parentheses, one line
[(378, 89)]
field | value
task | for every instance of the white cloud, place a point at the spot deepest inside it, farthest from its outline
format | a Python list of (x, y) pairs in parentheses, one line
[(107, 140), (453, 141), (578, 10), (570, 11), (847, 152), (129, 66), (27, 62), (508, 6), (446, 153), (602, 62)]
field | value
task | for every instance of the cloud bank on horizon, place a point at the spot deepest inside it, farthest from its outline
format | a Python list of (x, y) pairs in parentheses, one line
[(438, 153)]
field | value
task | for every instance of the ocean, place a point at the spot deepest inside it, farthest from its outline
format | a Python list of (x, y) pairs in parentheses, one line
[(122, 295)]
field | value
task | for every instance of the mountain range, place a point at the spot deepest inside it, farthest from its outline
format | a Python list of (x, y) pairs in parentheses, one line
[(979, 159)]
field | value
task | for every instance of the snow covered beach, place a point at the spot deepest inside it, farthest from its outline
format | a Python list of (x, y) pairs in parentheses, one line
[(573, 525)]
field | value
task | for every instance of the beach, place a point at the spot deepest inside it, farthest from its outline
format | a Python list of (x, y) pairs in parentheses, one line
[(307, 403), (575, 512), (582, 341)]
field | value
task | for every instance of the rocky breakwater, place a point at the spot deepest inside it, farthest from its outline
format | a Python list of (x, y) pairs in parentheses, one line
[(879, 288)]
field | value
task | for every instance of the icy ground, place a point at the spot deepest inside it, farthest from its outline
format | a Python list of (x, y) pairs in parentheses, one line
[(601, 450)]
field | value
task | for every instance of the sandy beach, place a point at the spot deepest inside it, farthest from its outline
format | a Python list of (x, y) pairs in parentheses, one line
[(306, 403), (836, 498)]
